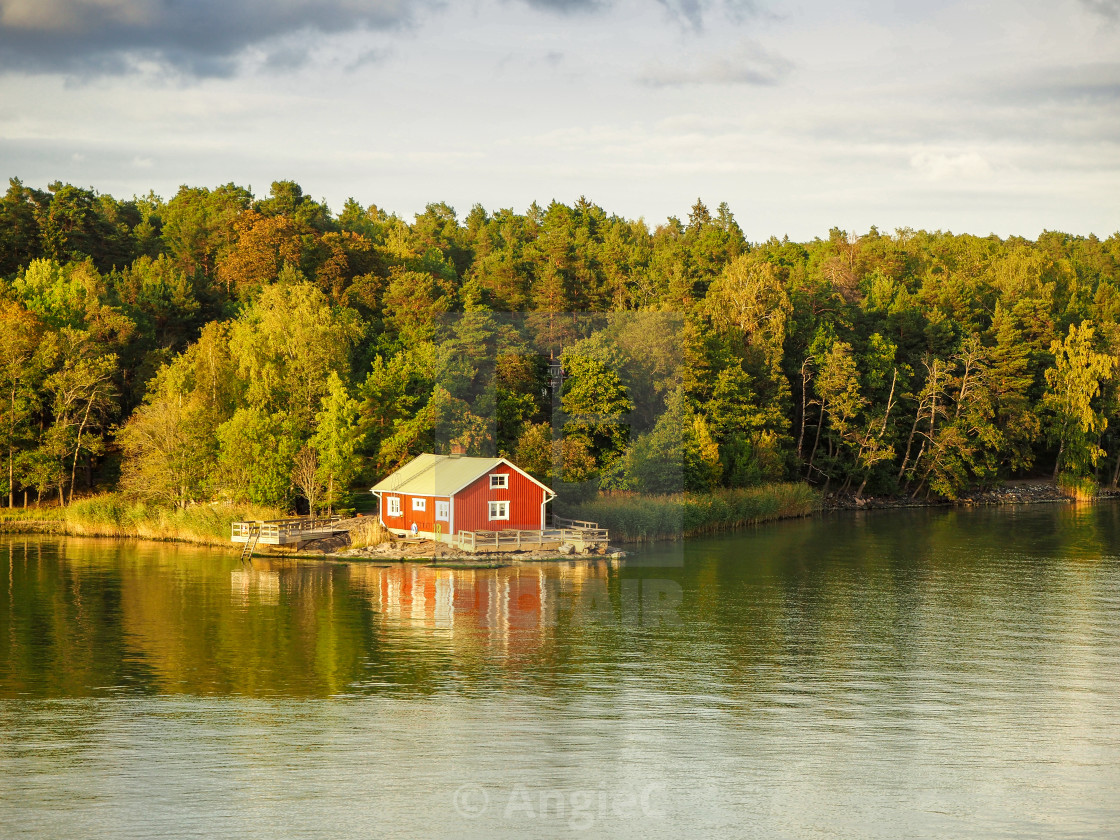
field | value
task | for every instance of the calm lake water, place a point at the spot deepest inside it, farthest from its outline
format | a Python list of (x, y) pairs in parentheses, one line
[(901, 674)]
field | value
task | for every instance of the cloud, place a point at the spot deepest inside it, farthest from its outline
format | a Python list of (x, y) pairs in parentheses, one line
[(689, 13), (693, 12), (213, 38), (1094, 82), (287, 58), (1106, 8), (196, 37), (750, 65), (939, 166), (366, 58), (567, 6)]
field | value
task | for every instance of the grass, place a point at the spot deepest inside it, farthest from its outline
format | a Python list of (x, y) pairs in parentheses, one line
[(112, 515), (1079, 488), (633, 517), (368, 533), (630, 517), (31, 514)]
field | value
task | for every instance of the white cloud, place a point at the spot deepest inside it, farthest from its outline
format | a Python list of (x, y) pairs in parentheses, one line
[(984, 118), (749, 64), (940, 166)]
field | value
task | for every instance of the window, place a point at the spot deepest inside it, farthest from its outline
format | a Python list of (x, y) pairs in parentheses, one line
[(443, 511), (419, 504), (499, 510), (394, 506), (499, 480)]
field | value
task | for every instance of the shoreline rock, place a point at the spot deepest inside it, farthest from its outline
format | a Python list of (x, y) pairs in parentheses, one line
[(1021, 492), (437, 552)]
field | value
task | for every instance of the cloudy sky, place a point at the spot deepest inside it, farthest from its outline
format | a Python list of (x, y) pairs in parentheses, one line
[(999, 117)]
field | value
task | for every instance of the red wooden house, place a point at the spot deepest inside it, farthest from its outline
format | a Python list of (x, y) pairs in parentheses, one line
[(442, 495)]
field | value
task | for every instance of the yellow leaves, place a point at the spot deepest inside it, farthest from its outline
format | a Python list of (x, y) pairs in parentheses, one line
[(288, 343), (264, 245), (1074, 382), (750, 295)]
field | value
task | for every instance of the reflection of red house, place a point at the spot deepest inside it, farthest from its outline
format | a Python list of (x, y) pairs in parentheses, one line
[(443, 494), (511, 609)]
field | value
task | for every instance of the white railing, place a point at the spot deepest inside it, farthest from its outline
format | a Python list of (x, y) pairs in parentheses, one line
[(561, 522), (474, 540), (275, 531)]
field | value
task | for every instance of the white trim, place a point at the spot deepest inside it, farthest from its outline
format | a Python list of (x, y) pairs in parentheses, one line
[(548, 497), (419, 503), (490, 510), (472, 480), (514, 467), (502, 481), (391, 502), (443, 515)]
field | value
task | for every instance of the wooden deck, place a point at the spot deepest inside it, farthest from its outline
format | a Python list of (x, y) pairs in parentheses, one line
[(287, 531), (583, 538)]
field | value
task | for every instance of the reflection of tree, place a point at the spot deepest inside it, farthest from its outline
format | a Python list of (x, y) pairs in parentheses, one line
[(859, 612), (161, 619)]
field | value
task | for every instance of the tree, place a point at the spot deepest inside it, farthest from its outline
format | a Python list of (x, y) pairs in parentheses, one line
[(20, 241), (837, 387), (82, 392), (199, 226), (256, 452), (287, 344), (415, 304), (596, 405), (25, 355), (60, 295), (170, 443), (162, 462), (337, 440), (265, 244), (749, 295), (1073, 382), (305, 476)]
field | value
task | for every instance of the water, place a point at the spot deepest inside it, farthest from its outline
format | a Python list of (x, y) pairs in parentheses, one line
[(924, 674)]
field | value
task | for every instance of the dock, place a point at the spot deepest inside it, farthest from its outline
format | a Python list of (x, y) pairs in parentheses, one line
[(584, 537), (286, 531)]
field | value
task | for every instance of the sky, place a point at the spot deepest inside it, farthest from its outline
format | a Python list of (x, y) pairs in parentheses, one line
[(998, 117)]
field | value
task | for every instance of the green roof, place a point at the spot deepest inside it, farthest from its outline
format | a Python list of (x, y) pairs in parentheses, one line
[(436, 475)]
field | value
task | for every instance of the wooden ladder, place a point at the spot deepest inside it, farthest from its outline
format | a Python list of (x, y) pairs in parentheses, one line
[(251, 542)]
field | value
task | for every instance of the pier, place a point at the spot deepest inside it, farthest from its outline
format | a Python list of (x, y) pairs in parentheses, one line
[(286, 531), (584, 537)]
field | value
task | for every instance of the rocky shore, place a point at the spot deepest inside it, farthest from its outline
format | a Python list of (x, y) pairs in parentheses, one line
[(1019, 492), (399, 550)]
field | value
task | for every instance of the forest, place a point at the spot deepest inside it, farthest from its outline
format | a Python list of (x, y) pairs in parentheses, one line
[(220, 346)]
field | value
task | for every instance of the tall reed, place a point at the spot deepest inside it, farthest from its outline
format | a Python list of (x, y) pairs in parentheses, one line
[(1078, 488), (368, 532), (633, 517), (112, 515)]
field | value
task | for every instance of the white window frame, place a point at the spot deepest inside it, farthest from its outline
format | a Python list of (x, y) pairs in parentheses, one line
[(499, 509), (419, 503), (443, 511), (393, 506), (499, 481)]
